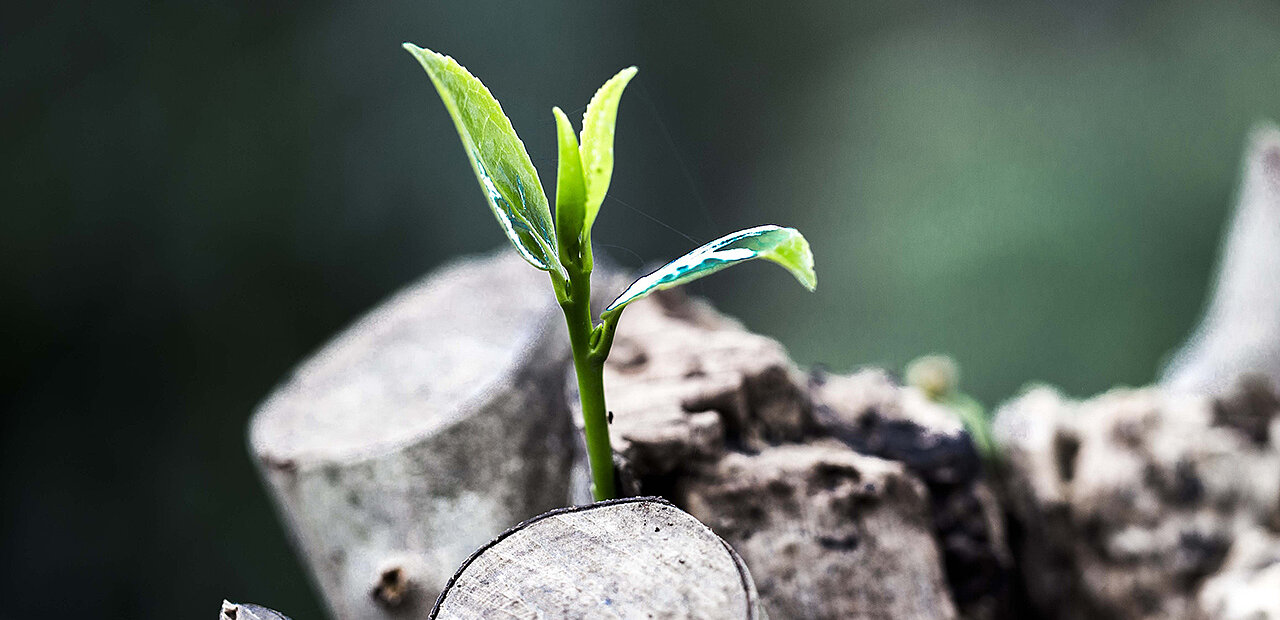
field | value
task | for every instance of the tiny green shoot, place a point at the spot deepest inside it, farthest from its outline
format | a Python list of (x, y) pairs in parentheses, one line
[(561, 246), (938, 378)]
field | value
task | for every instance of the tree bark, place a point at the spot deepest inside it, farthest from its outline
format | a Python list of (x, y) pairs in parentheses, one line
[(848, 496)]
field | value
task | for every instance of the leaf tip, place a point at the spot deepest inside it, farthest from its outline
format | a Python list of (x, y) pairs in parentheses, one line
[(431, 60), (623, 77), (418, 51), (564, 127), (804, 271), (810, 281)]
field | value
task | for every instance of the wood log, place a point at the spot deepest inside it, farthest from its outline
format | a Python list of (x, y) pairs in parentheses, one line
[(248, 611), (628, 558), (426, 428)]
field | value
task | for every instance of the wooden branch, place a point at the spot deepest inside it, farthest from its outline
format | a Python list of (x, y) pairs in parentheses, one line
[(1240, 332), (629, 558), (419, 433)]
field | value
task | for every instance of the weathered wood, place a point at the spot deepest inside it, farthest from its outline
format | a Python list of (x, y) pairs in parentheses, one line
[(1248, 586), (847, 496), (1240, 332), (248, 611), (832, 533), (393, 454), (630, 558), (426, 428), (1144, 503), (441, 418)]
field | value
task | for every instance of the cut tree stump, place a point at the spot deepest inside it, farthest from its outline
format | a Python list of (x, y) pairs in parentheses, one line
[(628, 558), (248, 611), (415, 436)]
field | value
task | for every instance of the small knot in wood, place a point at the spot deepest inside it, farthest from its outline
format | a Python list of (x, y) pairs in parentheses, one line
[(392, 587)]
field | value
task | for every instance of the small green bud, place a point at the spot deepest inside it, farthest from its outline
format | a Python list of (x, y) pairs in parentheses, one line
[(935, 375)]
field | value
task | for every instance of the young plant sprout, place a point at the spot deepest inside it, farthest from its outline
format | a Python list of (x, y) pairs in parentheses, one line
[(562, 247)]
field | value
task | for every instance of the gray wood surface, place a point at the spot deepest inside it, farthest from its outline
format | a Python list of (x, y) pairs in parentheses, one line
[(419, 433), (1240, 332), (723, 423), (630, 558), (248, 611)]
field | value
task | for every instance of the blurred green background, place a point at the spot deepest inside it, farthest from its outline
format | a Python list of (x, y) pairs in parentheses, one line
[(196, 195)]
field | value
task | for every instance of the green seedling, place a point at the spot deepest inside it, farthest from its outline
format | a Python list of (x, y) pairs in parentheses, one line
[(561, 246), (938, 377)]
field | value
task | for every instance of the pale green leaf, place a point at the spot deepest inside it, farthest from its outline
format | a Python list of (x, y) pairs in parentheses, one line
[(785, 246), (571, 193), (498, 157), (597, 141)]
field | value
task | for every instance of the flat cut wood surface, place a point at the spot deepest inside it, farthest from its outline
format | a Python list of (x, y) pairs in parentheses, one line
[(629, 558)]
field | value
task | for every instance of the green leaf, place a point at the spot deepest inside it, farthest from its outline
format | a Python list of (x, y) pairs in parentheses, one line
[(571, 192), (976, 423), (785, 246), (597, 142), (507, 176)]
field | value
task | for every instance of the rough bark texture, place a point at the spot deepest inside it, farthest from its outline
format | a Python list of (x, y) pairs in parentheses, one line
[(1240, 332), (817, 518), (419, 433), (1146, 503), (1247, 587), (874, 416), (632, 558), (847, 496)]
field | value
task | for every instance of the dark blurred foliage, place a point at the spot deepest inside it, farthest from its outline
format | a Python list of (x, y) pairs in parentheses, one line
[(197, 195)]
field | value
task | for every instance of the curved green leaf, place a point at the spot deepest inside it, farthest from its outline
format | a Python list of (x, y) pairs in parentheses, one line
[(597, 141), (498, 157), (571, 192), (785, 246)]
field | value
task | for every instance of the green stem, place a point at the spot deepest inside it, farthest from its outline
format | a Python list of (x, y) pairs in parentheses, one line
[(588, 365)]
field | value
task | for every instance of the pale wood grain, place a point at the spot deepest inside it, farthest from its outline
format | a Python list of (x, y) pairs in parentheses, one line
[(631, 558)]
